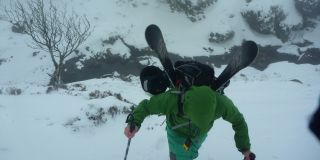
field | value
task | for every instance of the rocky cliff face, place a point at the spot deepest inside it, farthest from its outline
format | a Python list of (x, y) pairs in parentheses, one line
[(107, 63), (194, 9), (308, 8), (273, 20)]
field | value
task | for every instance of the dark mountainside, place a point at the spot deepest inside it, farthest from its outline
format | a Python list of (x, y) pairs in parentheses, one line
[(105, 63)]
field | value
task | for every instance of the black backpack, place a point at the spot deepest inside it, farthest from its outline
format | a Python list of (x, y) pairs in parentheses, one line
[(187, 73), (190, 73)]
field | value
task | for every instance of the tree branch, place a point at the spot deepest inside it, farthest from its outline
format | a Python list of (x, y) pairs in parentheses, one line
[(51, 30)]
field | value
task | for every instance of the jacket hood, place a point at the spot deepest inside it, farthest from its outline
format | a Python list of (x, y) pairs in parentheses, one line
[(200, 106)]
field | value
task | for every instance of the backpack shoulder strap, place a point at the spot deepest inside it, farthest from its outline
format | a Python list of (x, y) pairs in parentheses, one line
[(180, 101)]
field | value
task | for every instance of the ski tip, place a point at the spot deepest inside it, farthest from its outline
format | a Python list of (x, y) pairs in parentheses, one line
[(151, 32), (250, 44), (250, 47), (152, 27)]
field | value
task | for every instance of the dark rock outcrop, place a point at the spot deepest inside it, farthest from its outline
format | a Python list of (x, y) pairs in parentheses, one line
[(221, 37), (308, 8), (194, 12), (271, 22), (106, 63)]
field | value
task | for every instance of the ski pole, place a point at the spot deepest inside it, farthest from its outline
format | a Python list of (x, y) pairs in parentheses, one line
[(127, 150), (132, 128)]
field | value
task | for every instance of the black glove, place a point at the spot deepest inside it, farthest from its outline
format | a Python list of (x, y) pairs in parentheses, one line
[(252, 156)]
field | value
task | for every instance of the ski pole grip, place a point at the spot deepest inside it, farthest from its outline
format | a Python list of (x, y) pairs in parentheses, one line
[(129, 120), (252, 156), (132, 127)]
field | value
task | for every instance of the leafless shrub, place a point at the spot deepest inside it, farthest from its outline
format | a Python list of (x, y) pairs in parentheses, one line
[(118, 96), (98, 117), (98, 94), (52, 30), (14, 91), (126, 110), (78, 87), (113, 111)]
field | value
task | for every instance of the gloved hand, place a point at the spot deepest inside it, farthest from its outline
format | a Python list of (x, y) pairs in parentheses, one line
[(248, 155), (131, 130)]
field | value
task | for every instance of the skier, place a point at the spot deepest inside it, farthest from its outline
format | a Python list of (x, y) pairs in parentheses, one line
[(186, 131)]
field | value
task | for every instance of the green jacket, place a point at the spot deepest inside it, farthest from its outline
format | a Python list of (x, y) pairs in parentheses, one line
[(166, 104)]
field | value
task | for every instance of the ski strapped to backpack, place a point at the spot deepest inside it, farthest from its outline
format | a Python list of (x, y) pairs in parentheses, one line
[(185, 74), (240, 60)]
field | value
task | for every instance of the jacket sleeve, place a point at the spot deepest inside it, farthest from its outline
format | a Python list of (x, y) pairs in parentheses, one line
[(239, 125), (158, 104)]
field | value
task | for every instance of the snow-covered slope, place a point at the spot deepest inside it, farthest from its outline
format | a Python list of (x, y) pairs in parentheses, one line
[(53, 126)]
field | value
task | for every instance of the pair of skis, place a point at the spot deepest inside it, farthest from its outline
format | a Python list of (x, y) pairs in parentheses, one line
[(240, 60)]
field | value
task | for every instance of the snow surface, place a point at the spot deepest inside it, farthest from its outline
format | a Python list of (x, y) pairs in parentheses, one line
[(277, 110), (56, 126)]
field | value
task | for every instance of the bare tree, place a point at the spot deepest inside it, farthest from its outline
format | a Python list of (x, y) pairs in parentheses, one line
[(51, 30)]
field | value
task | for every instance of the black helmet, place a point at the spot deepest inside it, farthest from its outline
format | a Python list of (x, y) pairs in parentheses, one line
[(153, 80)]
